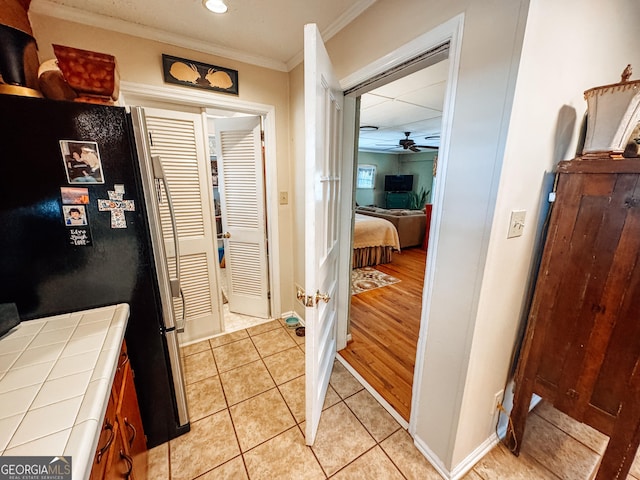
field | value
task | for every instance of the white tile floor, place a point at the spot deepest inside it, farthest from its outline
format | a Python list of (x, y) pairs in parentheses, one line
[(247, 416)]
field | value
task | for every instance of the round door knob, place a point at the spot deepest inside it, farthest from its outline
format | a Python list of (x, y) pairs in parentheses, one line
[(226, 235)]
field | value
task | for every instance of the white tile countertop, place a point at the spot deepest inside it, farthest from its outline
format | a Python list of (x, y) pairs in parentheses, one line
[(55, 380)]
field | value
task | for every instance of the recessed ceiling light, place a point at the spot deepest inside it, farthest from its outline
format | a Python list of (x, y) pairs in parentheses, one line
[(215, 6)]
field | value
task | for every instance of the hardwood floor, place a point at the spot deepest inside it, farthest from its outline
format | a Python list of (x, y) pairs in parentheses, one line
[(384, 328)]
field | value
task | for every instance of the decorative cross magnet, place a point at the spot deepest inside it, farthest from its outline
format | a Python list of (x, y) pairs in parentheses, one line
[(117, 206)]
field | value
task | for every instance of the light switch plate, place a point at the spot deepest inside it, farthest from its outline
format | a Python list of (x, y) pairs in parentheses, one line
[(284, 198), (516, 223)]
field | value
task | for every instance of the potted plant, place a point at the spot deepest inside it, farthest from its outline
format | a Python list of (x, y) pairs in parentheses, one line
[(418, 200)]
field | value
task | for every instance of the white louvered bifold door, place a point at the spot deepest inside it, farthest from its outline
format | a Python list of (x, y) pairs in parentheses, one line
[(241, 183), (178, 138)]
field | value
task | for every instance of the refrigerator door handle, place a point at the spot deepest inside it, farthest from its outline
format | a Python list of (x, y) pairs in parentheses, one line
[(158, 173), (180, 326), (152, 181), (174, 284)]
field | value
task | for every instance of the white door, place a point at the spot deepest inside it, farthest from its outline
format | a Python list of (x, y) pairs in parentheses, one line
[(242, 201), (178, 138), (323, 102)]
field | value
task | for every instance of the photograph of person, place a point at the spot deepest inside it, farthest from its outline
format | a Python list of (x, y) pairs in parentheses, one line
[(74, 215), (82, 161)]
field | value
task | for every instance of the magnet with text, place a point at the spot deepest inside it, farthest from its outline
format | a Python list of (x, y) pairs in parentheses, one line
[(117, 206)]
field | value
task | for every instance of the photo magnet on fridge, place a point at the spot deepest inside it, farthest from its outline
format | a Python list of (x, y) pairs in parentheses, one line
[(74, 195), (80, 236), (75, 217), (81, 161)]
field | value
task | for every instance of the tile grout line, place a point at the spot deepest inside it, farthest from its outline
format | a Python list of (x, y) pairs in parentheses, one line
[(567, 433), (261, 359), (277, 387), (377, 444), (296, 423), (228, 409)]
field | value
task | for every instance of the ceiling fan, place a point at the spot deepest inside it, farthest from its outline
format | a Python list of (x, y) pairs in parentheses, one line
[(408, 144)]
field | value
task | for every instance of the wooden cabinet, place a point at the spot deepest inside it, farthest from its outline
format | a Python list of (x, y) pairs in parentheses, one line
[(122, 448), (130, 426), (581, 351), (120, 464), (107, 436)]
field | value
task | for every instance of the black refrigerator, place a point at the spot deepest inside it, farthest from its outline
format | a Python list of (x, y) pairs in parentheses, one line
[(79, 229)]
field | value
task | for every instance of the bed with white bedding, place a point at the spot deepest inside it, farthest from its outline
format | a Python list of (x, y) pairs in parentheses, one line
[(374, 240)]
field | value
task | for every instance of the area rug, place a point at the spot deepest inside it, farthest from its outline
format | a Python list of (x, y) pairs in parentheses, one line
[(368, 278)]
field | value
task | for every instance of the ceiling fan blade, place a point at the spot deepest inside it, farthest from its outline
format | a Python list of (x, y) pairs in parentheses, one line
[(413, 148), (433, 147)]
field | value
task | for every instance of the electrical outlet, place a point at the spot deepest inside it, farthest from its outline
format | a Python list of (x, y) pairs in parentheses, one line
[(496, 409), (497, 402)]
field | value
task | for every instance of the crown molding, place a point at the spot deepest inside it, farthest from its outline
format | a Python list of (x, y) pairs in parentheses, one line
[(55, 10), (346, 18)]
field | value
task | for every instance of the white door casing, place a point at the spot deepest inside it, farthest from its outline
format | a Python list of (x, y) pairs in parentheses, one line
[(242, 201), (323, 103), (178, 138), (170, 97)]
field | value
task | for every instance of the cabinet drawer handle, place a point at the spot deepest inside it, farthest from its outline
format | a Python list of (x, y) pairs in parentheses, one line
[(104, 449), (133, 432), (125, 356), (129, 461)]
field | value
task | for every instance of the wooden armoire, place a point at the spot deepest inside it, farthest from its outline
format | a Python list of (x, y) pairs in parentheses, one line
[(581, 350)]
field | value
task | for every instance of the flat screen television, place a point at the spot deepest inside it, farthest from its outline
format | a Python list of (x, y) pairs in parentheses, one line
[(398, 183)]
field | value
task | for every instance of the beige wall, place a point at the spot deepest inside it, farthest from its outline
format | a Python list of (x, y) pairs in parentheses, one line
[(140, 61), (297, 175)]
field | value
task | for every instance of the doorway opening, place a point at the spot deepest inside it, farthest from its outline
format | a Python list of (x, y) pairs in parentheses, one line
[(203, 106), (401, 111)]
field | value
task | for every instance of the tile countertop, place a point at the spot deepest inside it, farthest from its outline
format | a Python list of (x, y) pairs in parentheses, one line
[(55, 379)]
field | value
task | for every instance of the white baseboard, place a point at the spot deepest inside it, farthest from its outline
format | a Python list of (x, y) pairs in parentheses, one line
[(474, 457), (463, 467), (431, 457)]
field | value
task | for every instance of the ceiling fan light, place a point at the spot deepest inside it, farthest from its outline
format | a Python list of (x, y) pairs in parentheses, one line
[(215, 6)]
